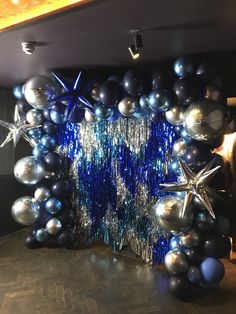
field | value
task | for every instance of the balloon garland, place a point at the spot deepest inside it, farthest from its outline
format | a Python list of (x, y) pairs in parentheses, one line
[(178, 128)]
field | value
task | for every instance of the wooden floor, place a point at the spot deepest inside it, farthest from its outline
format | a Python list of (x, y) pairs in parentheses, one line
[(92, 281)]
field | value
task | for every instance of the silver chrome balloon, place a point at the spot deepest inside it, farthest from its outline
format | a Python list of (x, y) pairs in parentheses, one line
[(190, 238), (89, 116), (127, 106), (205, 120), (179, 147), (175, 115), (42, 194), (53, 226), (34, 117), (166, 213), (25, 210), (176, 262), (29, 170), (39, 91)]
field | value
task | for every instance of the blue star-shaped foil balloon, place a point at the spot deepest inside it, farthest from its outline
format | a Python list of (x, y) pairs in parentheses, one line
[(77, 103)]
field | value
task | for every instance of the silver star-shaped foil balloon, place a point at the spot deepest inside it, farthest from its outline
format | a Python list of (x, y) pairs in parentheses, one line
[(195, 185), (17, 129)]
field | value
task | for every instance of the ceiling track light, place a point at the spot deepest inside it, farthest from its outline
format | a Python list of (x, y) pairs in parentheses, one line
[(137, 44)]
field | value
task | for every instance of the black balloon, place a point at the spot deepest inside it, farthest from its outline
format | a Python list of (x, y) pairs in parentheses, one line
[(135, 82), (62, 188), (50, 127), (156, 117), (180, 287), (67, 238), (157, 80), (187, 90), (204, 221), (193, 255), (53, 160), (217, 246), (197, 155), (109, 93), (67, 217), (32, 243), (184, 66), (23, 106), (206, 71)]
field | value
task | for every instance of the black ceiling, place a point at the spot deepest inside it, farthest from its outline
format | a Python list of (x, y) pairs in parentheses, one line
[(98, 34)]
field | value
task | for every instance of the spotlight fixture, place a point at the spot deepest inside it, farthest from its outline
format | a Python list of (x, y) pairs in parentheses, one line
[(137, 44)]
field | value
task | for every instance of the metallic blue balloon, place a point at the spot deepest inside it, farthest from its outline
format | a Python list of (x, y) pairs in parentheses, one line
[(53, 205), (204, 221), (174, 243), (212, 270), (46, 114), (36, 133), (183, 66), (41, 235), (143, 103), (102, 112), (175, 168), (39, 151), (194, 275), (159, 100), (50, 127), (48, 141), (76, 115), (18, 92), (115, 114), (57, 115)]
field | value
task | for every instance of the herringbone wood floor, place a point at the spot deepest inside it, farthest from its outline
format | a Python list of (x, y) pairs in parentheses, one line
[(92, 281)]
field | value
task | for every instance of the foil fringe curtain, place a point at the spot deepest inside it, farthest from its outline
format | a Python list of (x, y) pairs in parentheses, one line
[(117, 168)]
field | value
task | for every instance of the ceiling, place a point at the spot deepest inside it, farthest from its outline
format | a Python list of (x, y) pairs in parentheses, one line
[(98, 34)]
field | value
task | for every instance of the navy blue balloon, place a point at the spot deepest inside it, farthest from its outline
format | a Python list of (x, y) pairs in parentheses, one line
[(222, 224), (53, 205), (183, 66), (48, 141), (157, 80), (187, 90), (212, 270), (57, 114), (109, 93), (53, 160), (115, 114), (207, 72), (62, 188), (217, 246), (76, 115), (23, 106), (159, 100), (143, 103), (156, 117), (135, 82), (50, 127), (175, 167), (68, 217), (197, 155), (204, 221), (194, 275), (32, 243), (194, 255), (174, 243), (18, 92), (67, 238), (39, 151), (47, 114)]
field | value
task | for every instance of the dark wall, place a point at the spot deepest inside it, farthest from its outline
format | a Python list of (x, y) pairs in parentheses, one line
[(10, 189)]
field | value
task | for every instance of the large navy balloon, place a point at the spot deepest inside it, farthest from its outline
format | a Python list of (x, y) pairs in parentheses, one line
[(187, 90), (57, 114), (157, 80), (53, 160), (180, 287), (206, 71), (22, 105), (67, 238), (50, 127), (217, 246), (135, 82), (109, 93), (62, 188), (197, 155), (76, 115), (183, 66), (159, 100)]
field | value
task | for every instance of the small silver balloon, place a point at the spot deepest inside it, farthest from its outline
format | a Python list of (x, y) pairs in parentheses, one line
[(205, 120), (39, 91), (42, 194), (34, 117), (175, 115), (190, 238), (25, 210), (29, 170), (213, 92), (90, 117), (53, 226), (179, 147), (176, 262), (127, 106), (166, 213)]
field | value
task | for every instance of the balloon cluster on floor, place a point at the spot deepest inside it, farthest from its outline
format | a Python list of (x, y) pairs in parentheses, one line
[(195, 109)]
